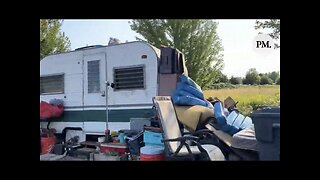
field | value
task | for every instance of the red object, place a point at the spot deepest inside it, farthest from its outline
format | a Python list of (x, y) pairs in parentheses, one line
[(151, 157), (49, 111), (47, 144), (112, 147), (115, 140)]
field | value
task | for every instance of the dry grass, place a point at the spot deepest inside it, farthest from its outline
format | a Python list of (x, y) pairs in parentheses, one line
[(249, 97)]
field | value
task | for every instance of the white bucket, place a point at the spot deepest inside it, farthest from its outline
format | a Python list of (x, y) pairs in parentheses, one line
[(101, 139)]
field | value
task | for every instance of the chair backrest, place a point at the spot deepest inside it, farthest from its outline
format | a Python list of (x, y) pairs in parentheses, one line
[(168, 119)]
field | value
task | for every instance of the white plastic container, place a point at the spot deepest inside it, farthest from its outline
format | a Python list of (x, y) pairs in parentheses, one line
[(101, 139)]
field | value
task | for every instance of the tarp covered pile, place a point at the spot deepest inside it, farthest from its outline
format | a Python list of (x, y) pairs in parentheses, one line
[(188, 93)]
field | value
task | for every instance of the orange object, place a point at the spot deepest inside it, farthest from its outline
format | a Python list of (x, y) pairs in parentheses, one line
[(151, 157), (47, 144)]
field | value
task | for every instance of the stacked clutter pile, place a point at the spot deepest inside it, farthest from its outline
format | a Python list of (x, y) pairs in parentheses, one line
[(116, 143), (154, 147), (188, 93)]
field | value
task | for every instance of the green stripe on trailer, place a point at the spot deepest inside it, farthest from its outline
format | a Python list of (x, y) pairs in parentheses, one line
[(122, 115)]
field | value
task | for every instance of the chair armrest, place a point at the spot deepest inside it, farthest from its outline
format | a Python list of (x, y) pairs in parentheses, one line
[(182, 138), (200, 133), (186, 133)]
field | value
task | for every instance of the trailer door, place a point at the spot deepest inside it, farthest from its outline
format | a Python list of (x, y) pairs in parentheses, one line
[(94, 80)]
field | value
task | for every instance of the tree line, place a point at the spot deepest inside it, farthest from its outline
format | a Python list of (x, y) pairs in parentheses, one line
[(252, 77)]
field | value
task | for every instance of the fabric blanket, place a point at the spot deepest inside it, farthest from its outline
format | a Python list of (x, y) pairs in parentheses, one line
[(191, 116)]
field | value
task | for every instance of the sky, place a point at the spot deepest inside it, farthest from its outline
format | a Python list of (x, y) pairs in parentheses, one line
[(236, 36)]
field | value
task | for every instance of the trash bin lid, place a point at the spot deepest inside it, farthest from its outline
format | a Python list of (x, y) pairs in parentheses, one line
[(266, 123), (267, 112)]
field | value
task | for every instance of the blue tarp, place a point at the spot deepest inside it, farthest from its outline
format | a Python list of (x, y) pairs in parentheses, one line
[(190, 89), (187, 80), (189, 93)]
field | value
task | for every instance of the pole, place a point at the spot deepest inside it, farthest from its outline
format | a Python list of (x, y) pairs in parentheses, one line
[(107, 109), (107, 117)]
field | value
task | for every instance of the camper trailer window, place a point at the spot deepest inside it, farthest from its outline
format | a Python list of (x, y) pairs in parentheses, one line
[(129, 78), (94, 76), (52, 84)]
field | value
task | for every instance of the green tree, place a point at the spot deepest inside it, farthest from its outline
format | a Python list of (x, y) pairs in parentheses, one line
[(274, 25), (278, 81), (219, 77), (196, 39), (52, 40), (252, 77), (265, 80), (235, 80), (273, 75), (223, 78)]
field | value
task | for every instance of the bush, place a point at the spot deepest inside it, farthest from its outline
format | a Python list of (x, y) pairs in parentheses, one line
[(223, 85)]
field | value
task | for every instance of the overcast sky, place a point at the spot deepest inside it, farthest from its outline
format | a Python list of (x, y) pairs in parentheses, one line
[(236, 35)]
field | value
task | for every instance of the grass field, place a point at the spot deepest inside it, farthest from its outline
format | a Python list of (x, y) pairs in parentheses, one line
[(249, 97)]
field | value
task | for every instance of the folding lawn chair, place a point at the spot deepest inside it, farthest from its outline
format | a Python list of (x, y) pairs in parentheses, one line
[(176, 145)]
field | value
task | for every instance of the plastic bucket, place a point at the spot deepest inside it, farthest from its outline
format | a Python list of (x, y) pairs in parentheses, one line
[(152, 153), (47, 144)]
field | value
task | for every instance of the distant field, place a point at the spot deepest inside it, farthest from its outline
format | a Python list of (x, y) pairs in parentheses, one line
[(249, 97)]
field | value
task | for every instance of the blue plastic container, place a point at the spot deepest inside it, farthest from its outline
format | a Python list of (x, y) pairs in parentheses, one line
[(152, 138), (121, 138)]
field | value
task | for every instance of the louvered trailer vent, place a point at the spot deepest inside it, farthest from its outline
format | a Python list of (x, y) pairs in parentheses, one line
[(129, 78)]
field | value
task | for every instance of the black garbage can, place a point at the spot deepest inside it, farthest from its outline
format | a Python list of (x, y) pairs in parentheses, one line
[(267, 130)]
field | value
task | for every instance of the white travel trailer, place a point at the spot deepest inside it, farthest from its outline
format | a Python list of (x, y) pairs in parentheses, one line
[(136, 70)]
